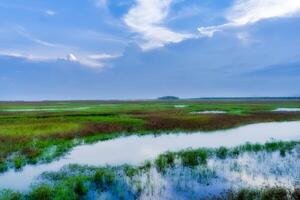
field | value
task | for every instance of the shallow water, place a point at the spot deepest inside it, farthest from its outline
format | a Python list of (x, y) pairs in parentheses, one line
[(287, 110), (181, 106), (137, 149), (253, 170), (210, 112)]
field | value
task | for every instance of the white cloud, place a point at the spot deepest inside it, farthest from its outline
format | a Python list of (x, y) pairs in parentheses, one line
[(71, 57), (146, 18), (103, 56), (50, 12), (245, 12)]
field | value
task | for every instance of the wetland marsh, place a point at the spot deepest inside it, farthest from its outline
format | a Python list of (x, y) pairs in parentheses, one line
[(160, 143)]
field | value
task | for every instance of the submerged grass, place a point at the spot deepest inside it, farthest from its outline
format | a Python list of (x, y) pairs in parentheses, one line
[(268, 193), (192, 158), (121, 182)]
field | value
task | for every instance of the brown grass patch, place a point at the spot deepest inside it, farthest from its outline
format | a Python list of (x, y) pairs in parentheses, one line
[(212, 122)]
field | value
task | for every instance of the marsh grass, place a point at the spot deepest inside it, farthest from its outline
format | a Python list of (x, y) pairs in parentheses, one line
[(272, 193), (165, 161), (10, 195), (103, 179), (31, 134), (42, 192), (195, 157), (19, 162)]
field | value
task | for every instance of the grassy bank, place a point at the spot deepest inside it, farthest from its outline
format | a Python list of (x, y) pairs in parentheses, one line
[(41, 131)]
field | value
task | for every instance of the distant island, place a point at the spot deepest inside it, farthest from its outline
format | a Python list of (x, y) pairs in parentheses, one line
[(168, 98)]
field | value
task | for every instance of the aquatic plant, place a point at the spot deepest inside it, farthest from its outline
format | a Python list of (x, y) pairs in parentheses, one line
[(247, 194), (193, 158), (164, 161), (79, 188), (19, 162), (277, 193), (3, 167), (10, 195), (272, 193), (130, 171), (222, 152), (103, 178), (41, 192)]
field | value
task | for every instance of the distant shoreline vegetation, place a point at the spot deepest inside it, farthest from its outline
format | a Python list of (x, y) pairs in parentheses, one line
[(168, 98), (143, 100)]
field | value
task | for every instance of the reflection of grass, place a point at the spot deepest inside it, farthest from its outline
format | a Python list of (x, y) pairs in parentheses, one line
[(29, 135)]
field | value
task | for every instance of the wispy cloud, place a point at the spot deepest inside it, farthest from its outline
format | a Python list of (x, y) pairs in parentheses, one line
[(146, 18), (25, 56), (96, 61), (103, 56), (22, 31), (245, 12), (50, 12)]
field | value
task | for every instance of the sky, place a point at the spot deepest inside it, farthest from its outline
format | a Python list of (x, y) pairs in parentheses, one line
[(142, 49)]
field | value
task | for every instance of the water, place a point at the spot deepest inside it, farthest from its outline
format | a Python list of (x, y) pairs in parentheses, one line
[(253, 170), (287, 110), (136, 149), (181, 106), (210, 112)]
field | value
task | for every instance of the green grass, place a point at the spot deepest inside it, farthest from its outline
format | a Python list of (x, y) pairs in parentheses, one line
[(37, 129)]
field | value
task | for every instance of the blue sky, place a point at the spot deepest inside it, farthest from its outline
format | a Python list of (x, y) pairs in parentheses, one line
[(133, 49)]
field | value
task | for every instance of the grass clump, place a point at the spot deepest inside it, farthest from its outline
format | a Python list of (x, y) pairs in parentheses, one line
[(247, 194), (222, 152), (130, 171), (165, 161), (3, 167), (193, 158), (64, 193), (79, 188), (42, 192), (19, 162), (104, 178), (10, 195), (273, 193)]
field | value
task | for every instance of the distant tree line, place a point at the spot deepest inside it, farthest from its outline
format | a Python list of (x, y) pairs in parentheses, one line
[(168, 98)]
